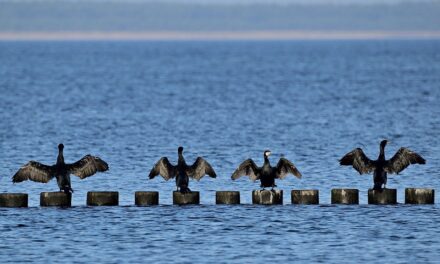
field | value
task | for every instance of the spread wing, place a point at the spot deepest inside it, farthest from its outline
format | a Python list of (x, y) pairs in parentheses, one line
[(200, 168), (359, 161), (284, 167), (164, 168), (34, 171), (248, 168), (87, 166), (402, 159)]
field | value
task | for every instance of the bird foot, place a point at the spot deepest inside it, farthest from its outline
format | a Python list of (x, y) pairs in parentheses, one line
[(67, 190), (380, 189), (185, 190)]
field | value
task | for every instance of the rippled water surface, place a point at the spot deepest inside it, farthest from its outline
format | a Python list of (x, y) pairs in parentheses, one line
[(132, 103)]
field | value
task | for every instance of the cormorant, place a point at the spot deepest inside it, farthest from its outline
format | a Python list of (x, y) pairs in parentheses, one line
[(181, 171), (402, 159), (83, 168), (266, 174)]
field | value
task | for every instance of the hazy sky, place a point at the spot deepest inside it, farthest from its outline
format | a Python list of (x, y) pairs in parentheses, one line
[(218, 15), (358, 2)]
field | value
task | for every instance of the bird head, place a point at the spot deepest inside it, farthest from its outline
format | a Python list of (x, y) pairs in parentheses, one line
[(180, 150), (60, 146), (383, 143), (267, 153)]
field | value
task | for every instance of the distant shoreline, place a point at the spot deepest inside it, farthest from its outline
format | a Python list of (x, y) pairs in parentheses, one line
[(216, 35)]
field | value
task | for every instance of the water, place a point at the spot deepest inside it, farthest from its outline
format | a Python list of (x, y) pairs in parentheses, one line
[(134, 102)]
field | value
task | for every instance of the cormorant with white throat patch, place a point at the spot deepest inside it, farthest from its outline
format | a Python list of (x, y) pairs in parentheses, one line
[(266, 174)]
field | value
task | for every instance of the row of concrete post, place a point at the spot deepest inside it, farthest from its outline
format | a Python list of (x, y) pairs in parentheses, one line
[(266, 197)]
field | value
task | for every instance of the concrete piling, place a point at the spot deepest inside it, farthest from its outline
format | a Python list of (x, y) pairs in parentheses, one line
[(102, 198), (419, 196), (345, 196), (385, 196), (305, 196), (267, 197), (13, 200), (60, 199), (264, 197), (227, 197), (186, 198), (146, 198)]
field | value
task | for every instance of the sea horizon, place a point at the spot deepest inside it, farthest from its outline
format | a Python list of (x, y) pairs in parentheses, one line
[(239, 35)]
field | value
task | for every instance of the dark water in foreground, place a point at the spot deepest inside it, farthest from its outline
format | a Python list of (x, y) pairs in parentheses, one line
[(132, 103)]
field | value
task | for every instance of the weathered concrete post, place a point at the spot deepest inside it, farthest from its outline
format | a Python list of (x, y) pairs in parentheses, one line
[(227, 197), (385, 196), (146, 198), (13, 200), (345, 196), (102, 198), (305, 196), (186, 198), (419, 196), (61, 199), (267, 197)]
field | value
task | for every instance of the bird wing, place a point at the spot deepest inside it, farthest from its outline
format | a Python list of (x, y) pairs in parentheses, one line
[(402, 159), (359, 161), (164, 168), (87, 166), (200, 168), (248, 168), (34, 171), (284, 167)]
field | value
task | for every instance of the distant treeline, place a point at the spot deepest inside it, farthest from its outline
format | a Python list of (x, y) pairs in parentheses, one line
[(150, 16)]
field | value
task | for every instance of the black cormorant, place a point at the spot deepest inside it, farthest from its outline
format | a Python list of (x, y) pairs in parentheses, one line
[(85, 167), (266, 174), (181, 171), (402, 159)]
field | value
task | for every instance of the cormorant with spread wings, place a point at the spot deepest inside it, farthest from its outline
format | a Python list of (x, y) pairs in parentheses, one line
[(38, 172), (181, 171), (381, 167), (266, 174)]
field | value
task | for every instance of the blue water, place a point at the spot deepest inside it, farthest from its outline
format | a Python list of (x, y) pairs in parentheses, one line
[(133, 102)]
